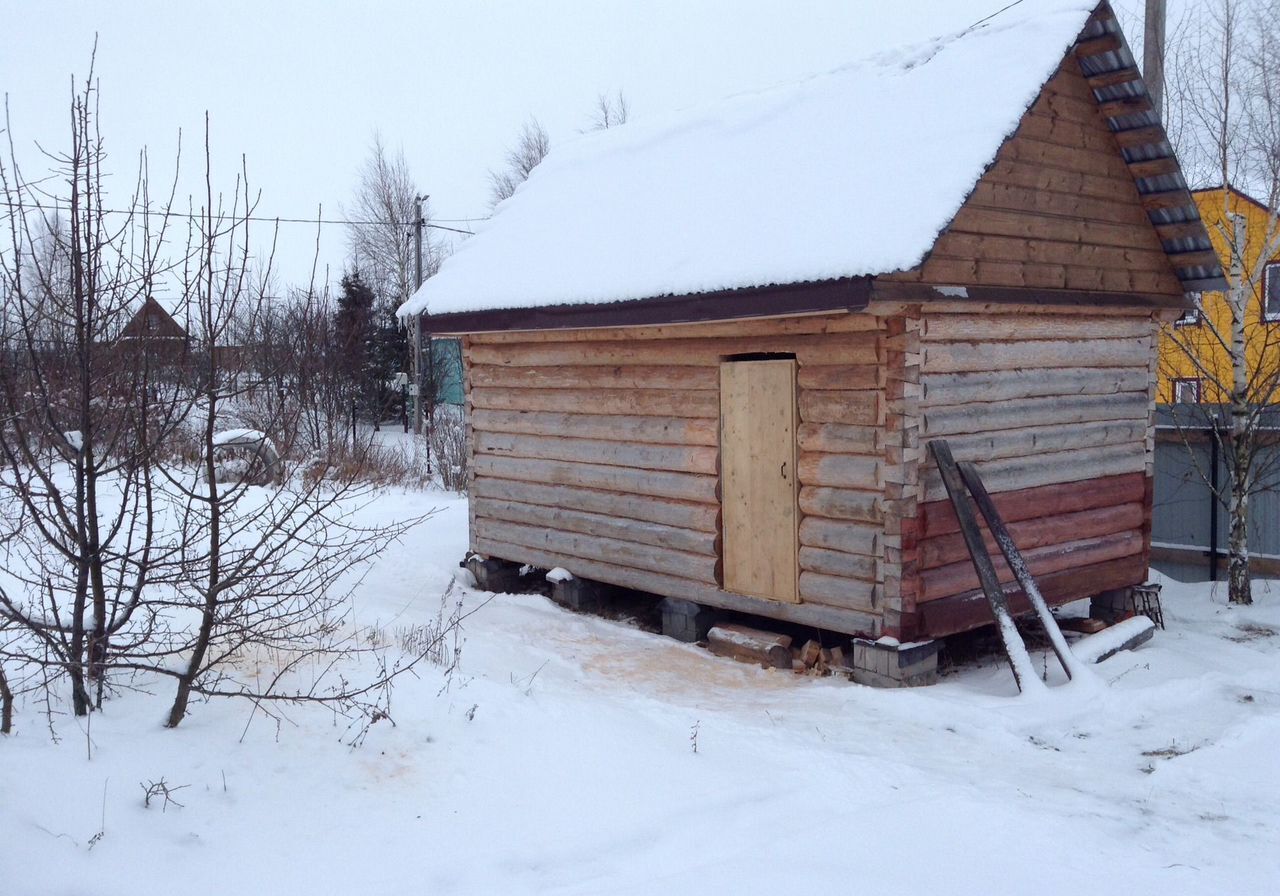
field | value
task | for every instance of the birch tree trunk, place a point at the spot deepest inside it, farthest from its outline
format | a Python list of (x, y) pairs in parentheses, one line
[(1238, 590)]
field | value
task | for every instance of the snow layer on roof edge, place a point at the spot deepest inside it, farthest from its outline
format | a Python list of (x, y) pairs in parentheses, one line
[(786, 185)]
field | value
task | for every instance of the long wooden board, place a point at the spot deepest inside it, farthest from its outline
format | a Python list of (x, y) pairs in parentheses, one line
[(969, 473), (1014, 648)]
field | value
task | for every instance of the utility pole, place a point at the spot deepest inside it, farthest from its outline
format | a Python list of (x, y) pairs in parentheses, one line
[(1153, 54), (418, 224)]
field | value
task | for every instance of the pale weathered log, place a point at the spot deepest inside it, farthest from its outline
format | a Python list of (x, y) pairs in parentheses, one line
[(839, 438), (1075, 465), (810, 653), (839, 377), (957, 578), (1005, 443), (841, 504), (951, 357), (800, 324), (685, 486), (665, 377), (1000, 385), (696, 567), (845, 536), (750, 645), (695, 459), (987, 416), (839, 470), (621, 528), (838, 563), (657, 403), (846, 348), (839, 592), (836, 619), (654, 430), (700, 518), (940, 305), (857, 408), (1004, 328)]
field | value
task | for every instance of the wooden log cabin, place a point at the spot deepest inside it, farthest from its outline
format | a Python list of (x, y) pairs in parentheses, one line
[(704, 355)]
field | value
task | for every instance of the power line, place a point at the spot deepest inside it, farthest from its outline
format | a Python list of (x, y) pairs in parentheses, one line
[(263, 219)]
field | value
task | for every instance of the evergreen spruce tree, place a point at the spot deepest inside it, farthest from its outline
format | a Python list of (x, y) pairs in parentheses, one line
[(354, 326), (373, 347)]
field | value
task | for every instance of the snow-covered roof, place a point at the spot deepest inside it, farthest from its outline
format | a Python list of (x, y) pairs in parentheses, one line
[(847, 173)]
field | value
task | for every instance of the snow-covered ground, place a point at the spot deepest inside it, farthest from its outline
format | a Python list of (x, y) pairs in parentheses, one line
[(560, 758)]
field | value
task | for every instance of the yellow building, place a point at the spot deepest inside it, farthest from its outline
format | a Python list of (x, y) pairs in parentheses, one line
[(1195, 362)]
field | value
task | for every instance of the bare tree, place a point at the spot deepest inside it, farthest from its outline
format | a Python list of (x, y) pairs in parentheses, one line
[(1224, 118), (81, 411), (384, 209), (610, 111), (257, 566), (127, 546), (530, 149)]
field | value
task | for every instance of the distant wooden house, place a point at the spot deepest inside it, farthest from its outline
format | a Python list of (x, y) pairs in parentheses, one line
[(153, 331), (704, 355)]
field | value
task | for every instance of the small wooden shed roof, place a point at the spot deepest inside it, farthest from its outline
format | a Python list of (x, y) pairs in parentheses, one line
[(796, 198)]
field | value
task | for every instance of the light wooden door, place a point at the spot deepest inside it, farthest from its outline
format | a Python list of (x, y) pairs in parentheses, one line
[(758, 477)]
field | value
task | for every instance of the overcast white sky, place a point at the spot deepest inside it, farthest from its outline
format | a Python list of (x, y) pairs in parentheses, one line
[(299, 88)]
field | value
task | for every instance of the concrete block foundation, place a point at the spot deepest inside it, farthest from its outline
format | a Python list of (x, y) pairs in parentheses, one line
[(686, 621), (500, 576), (579, 595), (1112, 606), (887, 665)]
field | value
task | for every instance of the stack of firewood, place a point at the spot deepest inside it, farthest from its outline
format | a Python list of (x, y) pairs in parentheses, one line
[(774, 651)]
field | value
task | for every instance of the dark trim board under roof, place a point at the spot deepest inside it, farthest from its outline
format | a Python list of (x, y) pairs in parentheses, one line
[(848, 294), (826, 297)]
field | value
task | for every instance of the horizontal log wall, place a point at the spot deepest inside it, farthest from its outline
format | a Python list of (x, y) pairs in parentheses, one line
[(598, 451), (1054, 408)]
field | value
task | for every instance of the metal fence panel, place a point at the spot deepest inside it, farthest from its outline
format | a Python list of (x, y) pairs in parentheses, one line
[(1183, 500)]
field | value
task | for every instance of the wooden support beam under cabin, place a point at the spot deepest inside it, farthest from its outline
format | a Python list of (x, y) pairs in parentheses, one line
[(749, 645)]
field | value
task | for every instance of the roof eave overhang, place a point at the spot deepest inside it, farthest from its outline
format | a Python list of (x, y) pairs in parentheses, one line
[(1112, 73), (825, 296)]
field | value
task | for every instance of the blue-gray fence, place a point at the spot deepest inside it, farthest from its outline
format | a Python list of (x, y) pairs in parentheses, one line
[(1187, 522)]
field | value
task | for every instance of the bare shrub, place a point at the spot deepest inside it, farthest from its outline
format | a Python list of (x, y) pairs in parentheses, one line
[(438, 641), (407, 466), (160, 790), (449, 447)]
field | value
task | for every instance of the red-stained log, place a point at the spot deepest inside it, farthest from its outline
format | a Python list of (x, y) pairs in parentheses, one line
[(937, 517), (956, 578), (962, 612), (1038, 533)]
